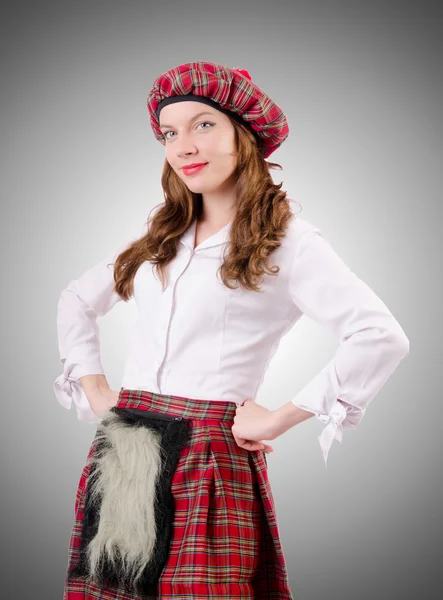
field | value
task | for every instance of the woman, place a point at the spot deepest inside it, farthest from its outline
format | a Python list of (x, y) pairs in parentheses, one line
[(174, 500)]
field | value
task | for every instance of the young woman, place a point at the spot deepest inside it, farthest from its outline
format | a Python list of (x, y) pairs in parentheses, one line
[(174, 500)]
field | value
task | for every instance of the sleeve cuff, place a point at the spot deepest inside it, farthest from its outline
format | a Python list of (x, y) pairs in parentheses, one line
[(68, 389), (333, 430), (341, 416)]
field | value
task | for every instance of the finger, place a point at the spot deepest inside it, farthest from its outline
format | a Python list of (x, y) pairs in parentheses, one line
[(248, 444), (253, 445), (239, 441)]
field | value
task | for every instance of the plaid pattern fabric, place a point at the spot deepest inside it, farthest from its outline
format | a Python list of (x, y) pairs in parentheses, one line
[(225, 542), (232, 90)]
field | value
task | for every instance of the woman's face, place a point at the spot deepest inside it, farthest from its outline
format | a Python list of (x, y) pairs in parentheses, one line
[(191, 137)]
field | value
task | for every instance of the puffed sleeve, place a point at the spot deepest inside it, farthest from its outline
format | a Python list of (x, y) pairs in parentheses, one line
[(371, 341), (84, 299)]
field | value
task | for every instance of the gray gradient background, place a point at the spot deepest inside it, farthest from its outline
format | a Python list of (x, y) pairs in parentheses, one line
[(80, 169)]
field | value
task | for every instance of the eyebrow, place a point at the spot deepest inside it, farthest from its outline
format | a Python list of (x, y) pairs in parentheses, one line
[(193, 118)]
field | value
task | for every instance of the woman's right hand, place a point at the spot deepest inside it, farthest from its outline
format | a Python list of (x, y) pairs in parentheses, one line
[(102, 400)]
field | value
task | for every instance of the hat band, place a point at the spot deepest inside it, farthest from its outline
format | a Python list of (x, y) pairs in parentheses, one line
[(203, 100)]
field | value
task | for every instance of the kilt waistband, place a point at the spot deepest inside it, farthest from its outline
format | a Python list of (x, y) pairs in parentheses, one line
[(164, 406)]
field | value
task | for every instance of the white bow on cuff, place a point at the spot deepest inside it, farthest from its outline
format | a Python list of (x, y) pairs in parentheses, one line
[(67, 389), (334, 428)]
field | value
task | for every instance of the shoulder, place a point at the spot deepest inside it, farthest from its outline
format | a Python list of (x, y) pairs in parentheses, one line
[(308, 242), (299, 226)]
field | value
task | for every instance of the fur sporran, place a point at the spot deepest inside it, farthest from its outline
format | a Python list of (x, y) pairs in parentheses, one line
[(129, 508)]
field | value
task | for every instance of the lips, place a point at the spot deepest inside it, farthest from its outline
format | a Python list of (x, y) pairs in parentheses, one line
[(191, 170)]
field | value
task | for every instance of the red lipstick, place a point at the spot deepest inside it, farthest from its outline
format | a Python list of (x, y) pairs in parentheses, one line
[(193, 168)]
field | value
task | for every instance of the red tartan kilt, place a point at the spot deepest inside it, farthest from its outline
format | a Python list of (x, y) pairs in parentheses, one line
[(225, 541)]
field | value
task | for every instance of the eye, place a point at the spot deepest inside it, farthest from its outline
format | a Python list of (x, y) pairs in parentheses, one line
[(206, 123), (164, 136)]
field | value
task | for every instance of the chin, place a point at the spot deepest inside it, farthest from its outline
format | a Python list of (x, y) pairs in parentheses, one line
[(197, 189)]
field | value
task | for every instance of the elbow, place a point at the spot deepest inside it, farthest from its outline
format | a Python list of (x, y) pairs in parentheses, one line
[(406, 346), (390, 336), (400, 343)]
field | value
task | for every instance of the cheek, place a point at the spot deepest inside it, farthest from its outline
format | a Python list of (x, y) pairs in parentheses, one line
[(225, 145), (221, 158)]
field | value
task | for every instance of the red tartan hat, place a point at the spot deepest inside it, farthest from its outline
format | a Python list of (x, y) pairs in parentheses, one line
[(230, 90)]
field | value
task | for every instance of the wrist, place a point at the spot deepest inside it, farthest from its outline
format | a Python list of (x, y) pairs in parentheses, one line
[(287, 416), (93, 384)]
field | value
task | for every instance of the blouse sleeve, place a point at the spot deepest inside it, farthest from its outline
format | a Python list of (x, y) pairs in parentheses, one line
[(371, 341), (84, 299)]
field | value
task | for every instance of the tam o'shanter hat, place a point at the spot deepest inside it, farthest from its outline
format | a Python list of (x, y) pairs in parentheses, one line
[(229, 90)]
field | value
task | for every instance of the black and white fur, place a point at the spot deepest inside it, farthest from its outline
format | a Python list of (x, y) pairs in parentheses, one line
[(129, 509)]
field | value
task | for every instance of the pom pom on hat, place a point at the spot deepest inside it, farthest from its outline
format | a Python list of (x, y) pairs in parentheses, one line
[(243, 72)]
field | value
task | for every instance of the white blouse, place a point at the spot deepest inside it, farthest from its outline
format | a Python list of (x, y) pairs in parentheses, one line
[(202, 340)]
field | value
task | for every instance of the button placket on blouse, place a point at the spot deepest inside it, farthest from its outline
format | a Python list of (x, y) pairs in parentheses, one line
[(169, 303), (178, 268)]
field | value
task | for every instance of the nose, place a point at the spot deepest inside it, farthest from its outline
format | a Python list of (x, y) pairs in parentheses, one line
[(185, 146)]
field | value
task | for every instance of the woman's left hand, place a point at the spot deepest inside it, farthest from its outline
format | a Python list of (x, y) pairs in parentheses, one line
[(252, 423)]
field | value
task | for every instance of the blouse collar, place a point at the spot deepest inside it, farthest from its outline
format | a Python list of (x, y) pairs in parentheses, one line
[(217, 239)]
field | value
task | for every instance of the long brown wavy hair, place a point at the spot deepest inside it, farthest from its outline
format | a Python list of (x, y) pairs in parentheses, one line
[(261, 219)]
